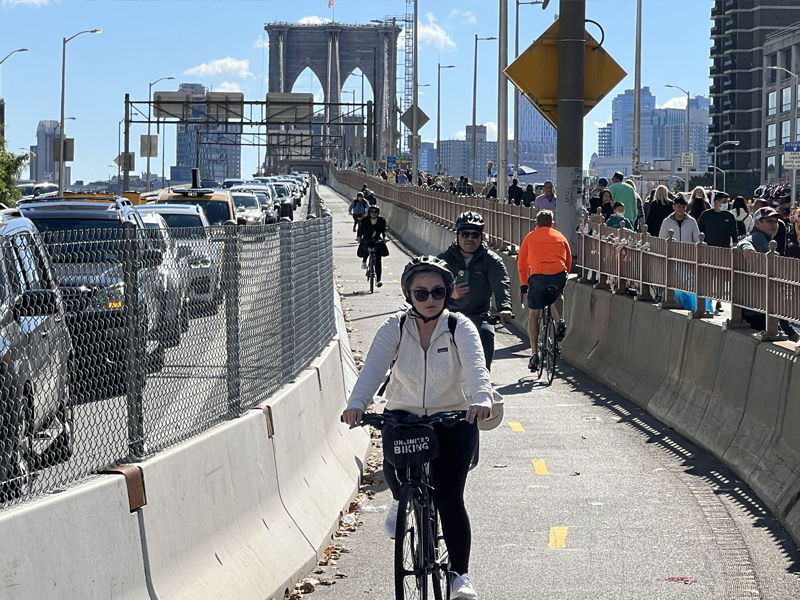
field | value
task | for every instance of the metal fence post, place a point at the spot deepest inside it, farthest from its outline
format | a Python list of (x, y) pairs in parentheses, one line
[(699, 311), (669, 294), (644, 246), (772, 326), (135, 344), (230, 283)]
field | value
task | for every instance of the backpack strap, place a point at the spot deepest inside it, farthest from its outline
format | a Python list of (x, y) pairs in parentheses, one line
[(452, 323), (389, 376)]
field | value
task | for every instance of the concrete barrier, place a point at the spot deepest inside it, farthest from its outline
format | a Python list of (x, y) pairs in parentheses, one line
[(661, 358), (664, 397), (214, 523), (81, 543)]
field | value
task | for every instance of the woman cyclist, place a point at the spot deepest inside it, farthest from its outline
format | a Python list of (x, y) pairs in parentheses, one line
[(432, 371), (372, 230)]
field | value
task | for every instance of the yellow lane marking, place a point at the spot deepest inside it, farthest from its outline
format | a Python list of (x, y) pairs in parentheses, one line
[(540, 466), (558, 537), (517, 427)]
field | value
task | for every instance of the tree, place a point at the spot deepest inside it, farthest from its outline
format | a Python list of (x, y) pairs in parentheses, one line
[(704, 180), (10, 169)]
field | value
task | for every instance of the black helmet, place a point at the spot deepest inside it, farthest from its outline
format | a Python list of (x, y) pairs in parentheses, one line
[(469, 220), (426, 264)]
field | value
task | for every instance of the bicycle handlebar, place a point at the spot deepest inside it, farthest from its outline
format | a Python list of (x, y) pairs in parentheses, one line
[(378, 420)]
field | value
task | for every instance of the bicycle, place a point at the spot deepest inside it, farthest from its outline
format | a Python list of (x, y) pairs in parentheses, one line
[(420, 550), (548, 336), (372, 248)]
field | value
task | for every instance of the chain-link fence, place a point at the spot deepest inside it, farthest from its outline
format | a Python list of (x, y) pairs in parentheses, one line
[(119, 340)]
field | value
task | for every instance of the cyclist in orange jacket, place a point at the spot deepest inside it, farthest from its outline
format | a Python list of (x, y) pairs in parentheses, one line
[(545, 259)]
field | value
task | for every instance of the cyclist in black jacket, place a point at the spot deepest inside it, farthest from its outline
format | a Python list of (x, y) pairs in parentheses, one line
[(372, 229), (480, 273)]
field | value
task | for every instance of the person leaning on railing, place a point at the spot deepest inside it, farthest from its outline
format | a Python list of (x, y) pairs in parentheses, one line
[(765, 228)]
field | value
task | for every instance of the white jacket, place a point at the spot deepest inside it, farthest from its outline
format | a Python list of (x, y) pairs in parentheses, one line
[(685, 231), (445, 377)]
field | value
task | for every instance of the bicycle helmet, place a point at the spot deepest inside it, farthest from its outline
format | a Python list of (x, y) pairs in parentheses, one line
[(375, 208), (426, 264), (470, 220)]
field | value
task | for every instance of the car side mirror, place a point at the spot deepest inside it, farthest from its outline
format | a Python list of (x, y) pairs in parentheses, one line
[(183, 251), (37, 303)]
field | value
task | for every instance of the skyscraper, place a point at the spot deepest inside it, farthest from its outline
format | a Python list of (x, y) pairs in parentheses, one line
[(604, 148), (739, 34), (214, 147), (43, 165)]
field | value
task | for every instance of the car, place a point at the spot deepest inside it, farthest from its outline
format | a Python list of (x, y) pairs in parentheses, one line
[(217, 204), (229, 183), (210, 183), (36, 420), (84, 240), (33, 190), (266, 196), (173, 279), (191, 231), (248, 207)]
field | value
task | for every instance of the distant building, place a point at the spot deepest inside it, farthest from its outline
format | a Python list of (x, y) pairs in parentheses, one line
[(427, 157), (213, 147), (533, 127), (604, 141), (43, 164), (781, 111), (743, 46)]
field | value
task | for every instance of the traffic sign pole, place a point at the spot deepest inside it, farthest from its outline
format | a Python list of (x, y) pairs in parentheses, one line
[(571, 72), (791, 160)]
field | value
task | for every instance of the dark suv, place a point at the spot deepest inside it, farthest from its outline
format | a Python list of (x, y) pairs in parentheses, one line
[(84, 240), (36, 425)]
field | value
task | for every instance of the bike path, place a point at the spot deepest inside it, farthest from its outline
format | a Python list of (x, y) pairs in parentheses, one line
[(579, 494)]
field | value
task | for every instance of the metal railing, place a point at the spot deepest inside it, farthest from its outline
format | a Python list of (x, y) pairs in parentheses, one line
[(506, 224), (619, 259), (121, 342)]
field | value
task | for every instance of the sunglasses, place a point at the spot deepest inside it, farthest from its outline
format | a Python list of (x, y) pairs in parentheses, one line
[(475, 235), (421, 294)]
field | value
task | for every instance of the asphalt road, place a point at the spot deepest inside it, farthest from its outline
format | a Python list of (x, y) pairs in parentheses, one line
[(634, 510)]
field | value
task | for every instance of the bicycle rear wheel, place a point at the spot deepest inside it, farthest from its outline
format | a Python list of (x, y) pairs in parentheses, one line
[(371, 272), (542, 341), (440, 578), (551, 350), (410, 579)]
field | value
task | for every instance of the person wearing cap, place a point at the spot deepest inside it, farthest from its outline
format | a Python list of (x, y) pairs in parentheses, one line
[(683, 226), (765, 227), (780, 238), (719, 225)]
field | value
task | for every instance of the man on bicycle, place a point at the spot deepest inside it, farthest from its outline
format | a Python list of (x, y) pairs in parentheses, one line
[(479, 274), (372, 232), (545, 260), (369, 195)]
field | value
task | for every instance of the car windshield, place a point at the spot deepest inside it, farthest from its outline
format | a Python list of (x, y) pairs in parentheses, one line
[(263, 199), (217, 211), (186, 227), (26, 190), (159, 236), (281, 189), (81, 240), (245, 201)]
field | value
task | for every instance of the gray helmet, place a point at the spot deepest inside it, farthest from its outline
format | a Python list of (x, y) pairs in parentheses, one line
[(470, 220), (426, 264)]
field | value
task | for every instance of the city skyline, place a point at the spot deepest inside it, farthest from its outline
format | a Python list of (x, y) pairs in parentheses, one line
[(96, 85)]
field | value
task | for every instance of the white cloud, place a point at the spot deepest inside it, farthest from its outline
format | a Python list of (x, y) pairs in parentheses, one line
[(261, 43), (222, 66), (228, 87), (460, 134), (36, 3), (313, 20), (679, 102), (491, 131), (467, 16), (433, 34), (598, 124), (319, 96)]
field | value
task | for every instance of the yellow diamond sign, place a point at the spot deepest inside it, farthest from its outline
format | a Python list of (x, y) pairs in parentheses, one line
[(535, 74)]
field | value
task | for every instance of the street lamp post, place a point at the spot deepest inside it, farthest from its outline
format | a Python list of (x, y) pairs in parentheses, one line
[(475, 101), (688, 128), (544, 4), (734, 143), (796, 136), (119, 157), (63, 88), (439, 112), (61, 148), (5, 58), (637, 95), (149, 101)]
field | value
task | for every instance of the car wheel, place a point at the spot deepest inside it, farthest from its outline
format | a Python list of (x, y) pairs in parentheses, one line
[(16, 479), (61, 449)]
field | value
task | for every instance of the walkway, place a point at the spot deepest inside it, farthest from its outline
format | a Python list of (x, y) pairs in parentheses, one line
[(579, 494)]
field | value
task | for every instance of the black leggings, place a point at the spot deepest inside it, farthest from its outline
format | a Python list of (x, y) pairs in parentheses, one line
[(449, 476)]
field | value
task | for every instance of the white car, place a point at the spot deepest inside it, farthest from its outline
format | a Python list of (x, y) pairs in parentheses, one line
[(248, 207)]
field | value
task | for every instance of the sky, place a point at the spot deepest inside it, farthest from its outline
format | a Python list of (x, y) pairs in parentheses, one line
[(220, 43)]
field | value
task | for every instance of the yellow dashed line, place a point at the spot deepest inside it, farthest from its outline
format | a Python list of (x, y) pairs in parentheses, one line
[(517, 427), (557, 537), (540, 466)]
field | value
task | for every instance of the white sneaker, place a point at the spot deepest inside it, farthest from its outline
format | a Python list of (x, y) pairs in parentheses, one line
[(390, 525), (364, 265), (463, 588)]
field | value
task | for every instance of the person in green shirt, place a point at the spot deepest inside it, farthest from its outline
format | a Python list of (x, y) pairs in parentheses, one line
[(618, 220), (624, 193)]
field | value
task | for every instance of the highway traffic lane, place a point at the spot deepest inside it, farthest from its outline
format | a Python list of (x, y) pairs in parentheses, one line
[(586, 496)]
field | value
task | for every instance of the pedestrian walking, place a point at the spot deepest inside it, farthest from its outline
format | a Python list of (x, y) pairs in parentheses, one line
[(618, 220), (547, 201), (358, 208), (744, 220), (528, 196), (699, 203), (626, 195), (718, 224), (660, 207), (683, 226), (514, 193)]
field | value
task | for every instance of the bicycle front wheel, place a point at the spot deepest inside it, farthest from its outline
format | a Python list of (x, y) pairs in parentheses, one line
[(551, 350), (371, 272), (440, 578), (410, 579)]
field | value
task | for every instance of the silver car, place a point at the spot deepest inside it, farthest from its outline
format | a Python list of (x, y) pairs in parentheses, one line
[(248, 207)]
